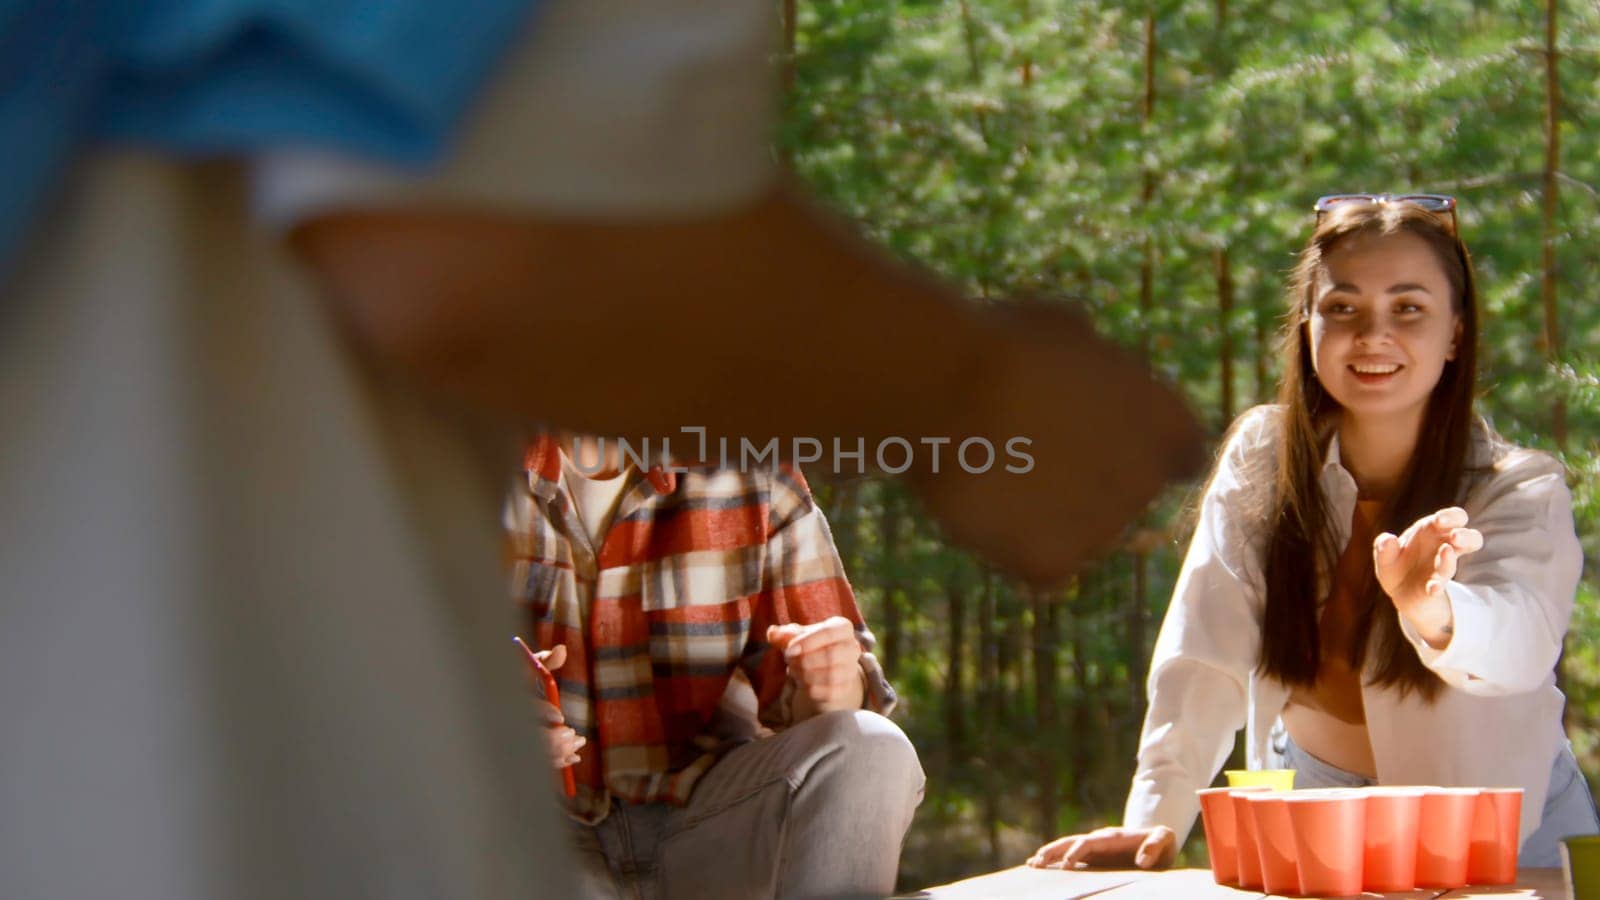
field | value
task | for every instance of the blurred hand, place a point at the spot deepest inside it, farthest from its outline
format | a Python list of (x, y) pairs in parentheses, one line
[(824, 659), (1414, 568), (1105, 438), (1147, 848), (563, 742)]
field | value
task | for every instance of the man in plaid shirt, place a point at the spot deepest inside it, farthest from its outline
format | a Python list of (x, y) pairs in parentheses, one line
[(720, 706)]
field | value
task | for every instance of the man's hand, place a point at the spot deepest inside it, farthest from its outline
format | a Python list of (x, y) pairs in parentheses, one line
[(824, 659), (1414, 568), (1103, 438), (1147, 848), (563, 742)]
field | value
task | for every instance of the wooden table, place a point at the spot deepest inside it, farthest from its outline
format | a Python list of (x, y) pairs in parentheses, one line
[(1023, 883)]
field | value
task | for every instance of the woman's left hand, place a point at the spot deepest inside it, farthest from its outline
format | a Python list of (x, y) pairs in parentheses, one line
[(1414, 568)]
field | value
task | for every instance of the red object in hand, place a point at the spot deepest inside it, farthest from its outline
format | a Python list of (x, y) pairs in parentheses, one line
[(552, 695)]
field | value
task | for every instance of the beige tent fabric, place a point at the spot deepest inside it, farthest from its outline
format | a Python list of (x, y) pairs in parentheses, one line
[(254, 641)]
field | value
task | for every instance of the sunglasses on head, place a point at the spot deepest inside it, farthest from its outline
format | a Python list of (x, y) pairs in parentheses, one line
[(1438, 204)]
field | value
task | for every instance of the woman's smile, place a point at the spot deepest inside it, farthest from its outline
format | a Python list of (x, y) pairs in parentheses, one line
[(1376, 374)]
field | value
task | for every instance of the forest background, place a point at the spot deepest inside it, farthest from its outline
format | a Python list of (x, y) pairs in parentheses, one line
[(1158, 162)]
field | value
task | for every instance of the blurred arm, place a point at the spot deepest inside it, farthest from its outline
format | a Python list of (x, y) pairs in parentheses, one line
[(500, 309)]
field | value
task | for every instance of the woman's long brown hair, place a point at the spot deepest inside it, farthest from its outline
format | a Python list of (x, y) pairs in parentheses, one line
[(1300, 531)]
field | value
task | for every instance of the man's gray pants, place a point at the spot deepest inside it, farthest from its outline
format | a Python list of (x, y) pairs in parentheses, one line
[(816, 810)]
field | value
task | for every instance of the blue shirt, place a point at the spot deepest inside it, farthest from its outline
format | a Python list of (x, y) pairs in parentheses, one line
[(381, 79)]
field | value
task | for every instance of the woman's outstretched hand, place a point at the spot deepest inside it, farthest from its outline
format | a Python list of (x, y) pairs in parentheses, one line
[(1414, 568), (1147, 848)]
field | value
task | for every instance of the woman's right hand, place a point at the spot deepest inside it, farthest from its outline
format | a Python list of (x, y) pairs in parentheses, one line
[(1147, 848), (562, 740)]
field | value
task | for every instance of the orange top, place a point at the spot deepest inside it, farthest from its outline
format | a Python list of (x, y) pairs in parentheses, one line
[(1328, 719)]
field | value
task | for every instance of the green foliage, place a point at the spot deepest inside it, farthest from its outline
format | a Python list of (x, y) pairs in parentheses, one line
[(1005, 143)]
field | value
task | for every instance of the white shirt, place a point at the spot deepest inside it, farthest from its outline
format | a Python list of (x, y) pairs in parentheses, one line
[(1497, 722), (256, 641), (596, 498)]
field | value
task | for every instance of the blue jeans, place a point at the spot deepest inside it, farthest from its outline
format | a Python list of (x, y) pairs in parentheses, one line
[(1568, 807)]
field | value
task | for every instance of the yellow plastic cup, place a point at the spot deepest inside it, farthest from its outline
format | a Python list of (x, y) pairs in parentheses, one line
[(1276, 779)]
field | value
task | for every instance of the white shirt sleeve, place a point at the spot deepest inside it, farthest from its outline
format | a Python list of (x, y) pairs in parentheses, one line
[(1512, 600), (1208, 645), (611, 108)]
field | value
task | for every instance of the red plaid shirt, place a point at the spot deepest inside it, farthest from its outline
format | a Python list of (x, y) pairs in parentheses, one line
[(676, 599)]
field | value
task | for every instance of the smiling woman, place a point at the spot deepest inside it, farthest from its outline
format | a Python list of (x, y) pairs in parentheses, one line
[(1383, 324), (1380, 367), (1378, 586)]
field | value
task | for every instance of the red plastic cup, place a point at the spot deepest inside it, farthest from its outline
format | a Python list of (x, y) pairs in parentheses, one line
[(1496, 827), (1329, 830), (1444, 836), (1249, 856), (1390, 858), (1275, 842), (1222, 832)]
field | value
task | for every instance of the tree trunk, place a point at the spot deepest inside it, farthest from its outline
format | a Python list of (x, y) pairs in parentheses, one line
[(985, 250), (988, 702), (988, 654), (1149, 107), (1552, 199), (1222, 61), (1135, 612), (789, 13), (892, 531), (1552, 170), (969, 34), (1147, 192), (844, 520), (1027, 61), (1083, 693), (1046, 637), (1138, 607), (1225, 331), (1263, 389), (1013, 665), (955, 707)]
